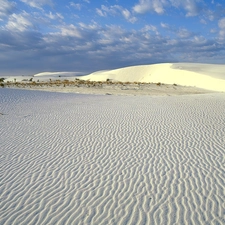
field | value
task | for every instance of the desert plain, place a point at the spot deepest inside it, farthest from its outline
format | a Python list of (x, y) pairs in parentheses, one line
[(147, 146)]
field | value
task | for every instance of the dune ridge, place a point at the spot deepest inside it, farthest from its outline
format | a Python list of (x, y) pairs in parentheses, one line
[(85, 159)]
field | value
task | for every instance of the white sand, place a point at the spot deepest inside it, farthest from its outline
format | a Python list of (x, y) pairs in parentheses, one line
[(210, 77), (206, 76), (117, 89), (200, 77), (88, 159)]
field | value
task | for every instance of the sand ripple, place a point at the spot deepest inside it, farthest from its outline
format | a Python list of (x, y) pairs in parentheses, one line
[(82, 159)]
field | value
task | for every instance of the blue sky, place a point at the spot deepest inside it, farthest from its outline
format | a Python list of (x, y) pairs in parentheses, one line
[(88, 35)]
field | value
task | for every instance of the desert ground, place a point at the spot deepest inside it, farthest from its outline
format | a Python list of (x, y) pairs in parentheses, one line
[(115, 157)]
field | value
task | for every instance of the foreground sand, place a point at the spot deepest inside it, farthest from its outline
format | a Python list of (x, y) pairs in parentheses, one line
[(89, 159)]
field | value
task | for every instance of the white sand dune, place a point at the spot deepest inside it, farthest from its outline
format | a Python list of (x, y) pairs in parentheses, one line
[(57, 74), (206, 76), (85, 159), (45, 76)]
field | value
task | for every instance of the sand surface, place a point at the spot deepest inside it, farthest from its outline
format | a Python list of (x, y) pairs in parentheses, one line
[(105, 159), (205, 76), (113, 89), (210, 77)]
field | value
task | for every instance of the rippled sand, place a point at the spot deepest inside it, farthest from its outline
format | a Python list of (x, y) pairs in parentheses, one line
[(89, 159)]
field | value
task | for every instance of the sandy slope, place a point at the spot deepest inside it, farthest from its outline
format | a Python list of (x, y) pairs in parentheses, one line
[(206, 76), (82, 159)]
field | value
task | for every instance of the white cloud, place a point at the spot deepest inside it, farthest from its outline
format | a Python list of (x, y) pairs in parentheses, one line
[(93, 26), (165, 25), (54, 16), (6, 8), (126, 13), (213, 31), (181, 33), (149, 28), (109, 35), (145, 6), (101, 13), (199, 40), (112, 10), (94, 47), (190, 6), (184, 33), (203, 21), (221, 25), (115, 10), (37, 3), (19, 22), (70, 30), (76, 6)]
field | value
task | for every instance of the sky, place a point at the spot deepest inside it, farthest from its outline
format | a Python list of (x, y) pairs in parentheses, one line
[(91, 35)]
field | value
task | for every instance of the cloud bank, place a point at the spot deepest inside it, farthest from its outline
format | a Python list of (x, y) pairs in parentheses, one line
[(37, 36)]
